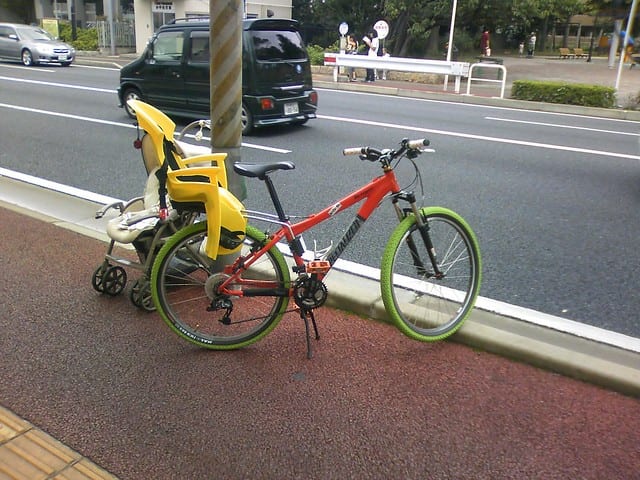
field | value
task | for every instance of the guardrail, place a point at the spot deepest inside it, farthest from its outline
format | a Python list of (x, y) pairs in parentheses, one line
[(471, 78), (441, 67)]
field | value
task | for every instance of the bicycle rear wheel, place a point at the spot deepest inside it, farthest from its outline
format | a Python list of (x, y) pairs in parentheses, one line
[(184, 282), (424, 305)]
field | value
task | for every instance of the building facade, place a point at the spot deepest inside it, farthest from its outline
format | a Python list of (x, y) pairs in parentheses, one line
[(147, 15), (152, 14)]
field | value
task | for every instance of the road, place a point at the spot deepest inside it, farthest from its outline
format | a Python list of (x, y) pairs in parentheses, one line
[(553, 198)]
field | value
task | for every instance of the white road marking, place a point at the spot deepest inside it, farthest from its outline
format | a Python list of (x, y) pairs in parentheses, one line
[(559, 125), (472, 136), (120, 124)]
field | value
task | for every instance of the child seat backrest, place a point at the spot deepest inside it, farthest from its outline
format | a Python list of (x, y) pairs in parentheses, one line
[(159, 127), (199, 179)]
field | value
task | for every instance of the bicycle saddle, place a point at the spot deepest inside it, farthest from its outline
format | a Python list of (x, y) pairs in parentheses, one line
[(261, 170)]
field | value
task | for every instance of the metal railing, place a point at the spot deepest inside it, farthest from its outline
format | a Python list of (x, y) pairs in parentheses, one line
[(503, 80), (124, 34), (440, 67)]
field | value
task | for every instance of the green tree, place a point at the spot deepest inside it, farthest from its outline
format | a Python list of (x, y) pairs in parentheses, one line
[(320, 20), (24, 9), (415, 25), (421, 27)]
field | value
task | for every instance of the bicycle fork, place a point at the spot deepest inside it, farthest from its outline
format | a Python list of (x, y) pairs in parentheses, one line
[(423, 228)]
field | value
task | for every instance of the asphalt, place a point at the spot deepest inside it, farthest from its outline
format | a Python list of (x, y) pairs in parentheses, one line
[(519, 394)]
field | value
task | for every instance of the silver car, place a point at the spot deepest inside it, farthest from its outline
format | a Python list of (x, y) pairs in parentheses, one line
[(32, 45)]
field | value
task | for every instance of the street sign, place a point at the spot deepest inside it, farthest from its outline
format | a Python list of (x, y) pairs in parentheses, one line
[(382, 29), (344, 28)]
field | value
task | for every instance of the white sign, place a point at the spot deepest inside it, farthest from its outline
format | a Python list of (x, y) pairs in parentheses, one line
[(382, 29), (160, 6), (344, 28)]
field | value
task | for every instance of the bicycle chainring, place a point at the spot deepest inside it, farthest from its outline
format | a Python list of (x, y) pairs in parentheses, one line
[(309, 293)]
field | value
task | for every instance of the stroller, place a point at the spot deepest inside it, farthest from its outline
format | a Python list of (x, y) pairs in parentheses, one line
[(145, 222)]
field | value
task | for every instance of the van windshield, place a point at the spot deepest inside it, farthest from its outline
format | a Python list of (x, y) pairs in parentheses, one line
[(277, 45)]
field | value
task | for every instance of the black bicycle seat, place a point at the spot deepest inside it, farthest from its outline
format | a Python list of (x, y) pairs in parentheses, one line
[(261, 170)]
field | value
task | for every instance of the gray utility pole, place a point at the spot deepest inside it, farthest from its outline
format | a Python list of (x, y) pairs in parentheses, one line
[(226, 85)]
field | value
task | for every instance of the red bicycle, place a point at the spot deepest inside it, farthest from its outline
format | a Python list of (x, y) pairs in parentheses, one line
[(429, 278)]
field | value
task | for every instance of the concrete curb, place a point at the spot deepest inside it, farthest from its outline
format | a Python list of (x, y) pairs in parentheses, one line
[(582, 358), (355, 289)]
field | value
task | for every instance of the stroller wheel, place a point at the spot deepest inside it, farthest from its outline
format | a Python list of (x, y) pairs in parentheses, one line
[(97, 279), (140, 295), (114, 280)]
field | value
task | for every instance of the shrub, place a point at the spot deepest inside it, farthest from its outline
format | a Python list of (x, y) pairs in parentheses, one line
[(86, 38), (316, 54), (563, 92)]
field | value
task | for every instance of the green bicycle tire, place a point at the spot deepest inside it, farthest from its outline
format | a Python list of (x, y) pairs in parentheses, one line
[(422, 307), (181, 269)]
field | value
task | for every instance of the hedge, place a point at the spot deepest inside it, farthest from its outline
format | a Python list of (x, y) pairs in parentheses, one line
[(563, 92)]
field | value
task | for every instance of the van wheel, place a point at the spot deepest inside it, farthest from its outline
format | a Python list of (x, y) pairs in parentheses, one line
[(131, 94), (247, 120)]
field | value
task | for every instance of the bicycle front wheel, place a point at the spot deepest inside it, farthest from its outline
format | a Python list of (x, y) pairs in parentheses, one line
[(424, 302), (184, 283)]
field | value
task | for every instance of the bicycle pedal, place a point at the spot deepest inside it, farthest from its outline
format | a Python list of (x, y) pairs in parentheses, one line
[(318, 266)]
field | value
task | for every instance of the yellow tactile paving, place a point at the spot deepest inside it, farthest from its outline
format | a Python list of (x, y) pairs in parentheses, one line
[(27, 453), (11, 425)]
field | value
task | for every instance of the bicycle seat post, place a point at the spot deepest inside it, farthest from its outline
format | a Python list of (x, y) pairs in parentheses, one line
[(296, 245), (275, 199)]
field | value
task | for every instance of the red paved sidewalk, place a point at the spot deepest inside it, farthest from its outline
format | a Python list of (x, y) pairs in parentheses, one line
[(115, 385)]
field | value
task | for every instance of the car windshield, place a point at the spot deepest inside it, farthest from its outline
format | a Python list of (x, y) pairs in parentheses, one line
[(34, 34), (277, 45)]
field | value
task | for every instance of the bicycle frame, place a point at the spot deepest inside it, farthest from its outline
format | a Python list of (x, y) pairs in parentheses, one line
[(427, 293), (372, 193)]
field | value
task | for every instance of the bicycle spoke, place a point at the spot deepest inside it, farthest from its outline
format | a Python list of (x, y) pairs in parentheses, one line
[(426, 305), (186, 285)]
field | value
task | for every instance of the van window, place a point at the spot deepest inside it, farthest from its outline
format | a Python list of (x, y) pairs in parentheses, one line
[(168, 46), (277, 45), (199, 52)]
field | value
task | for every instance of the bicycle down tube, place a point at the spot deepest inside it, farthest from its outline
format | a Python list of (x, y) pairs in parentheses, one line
[(374, 192)]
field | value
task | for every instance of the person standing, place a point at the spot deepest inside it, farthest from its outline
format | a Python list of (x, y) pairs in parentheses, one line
[(351, 49), (532, 45), (371, 39), (485, 47), (386, 55)]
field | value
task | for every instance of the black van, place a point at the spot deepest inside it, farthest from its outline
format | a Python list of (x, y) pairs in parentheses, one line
[(173, 73)]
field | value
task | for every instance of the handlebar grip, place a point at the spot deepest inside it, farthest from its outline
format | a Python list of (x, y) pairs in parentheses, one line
[(354, 151), (416, 144)]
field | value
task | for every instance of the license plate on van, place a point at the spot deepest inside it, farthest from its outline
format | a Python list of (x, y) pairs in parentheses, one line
[(291, 109)]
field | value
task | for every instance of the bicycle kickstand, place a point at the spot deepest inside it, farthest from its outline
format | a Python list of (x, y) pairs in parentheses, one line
[(305, 314)]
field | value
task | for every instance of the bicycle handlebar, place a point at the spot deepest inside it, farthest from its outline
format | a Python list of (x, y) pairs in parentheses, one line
[(416, 144), (355, 151), (370, 153), (201, 124)]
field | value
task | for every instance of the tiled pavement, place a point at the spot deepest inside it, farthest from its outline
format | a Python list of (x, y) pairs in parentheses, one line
[(28, 453)]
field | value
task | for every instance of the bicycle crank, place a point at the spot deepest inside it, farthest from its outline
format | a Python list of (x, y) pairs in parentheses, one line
[(309, 293)]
